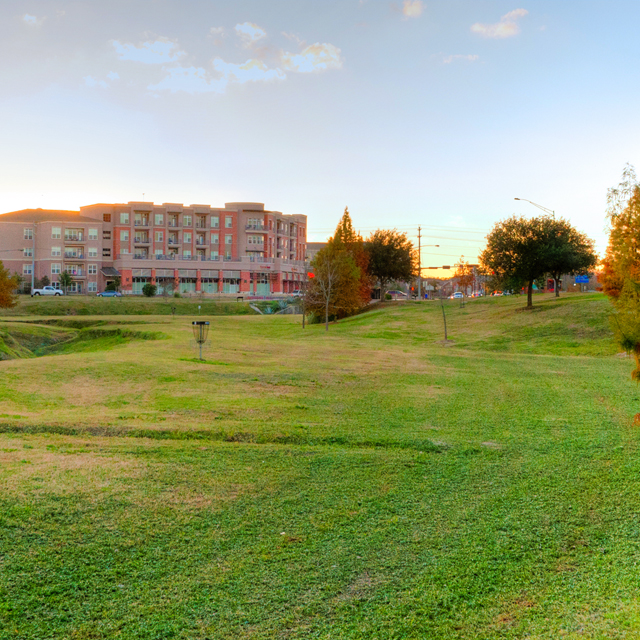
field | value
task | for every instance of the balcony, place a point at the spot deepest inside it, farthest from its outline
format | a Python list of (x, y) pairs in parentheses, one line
[(141, 223), (174, 223), (201, 225), (77, 237), (141, 240), (201, 242), (174, 241), (76, 273), (73, 255), (256, 227)]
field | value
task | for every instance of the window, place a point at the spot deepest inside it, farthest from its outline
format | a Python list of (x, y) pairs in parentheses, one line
[(92, 287), (186, 237), (215, 238), (159, 219), (214, 255), (159, 236), (186, 253), (26, 269), (124, 250), (93, 234), (215, 222), (93, 252), (228, 239), (106, 217), (106, 235), (28, 234), (227, 255), (55, 268), (106, 252), (56, 232), (186, 221), (92, 269), (228, 222), (27, 252), (124, 218), (56, 251), (158, 251), (124, 235)]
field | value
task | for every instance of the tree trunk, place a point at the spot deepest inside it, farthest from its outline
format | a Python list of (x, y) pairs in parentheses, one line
[(555, 286), (530, 295), (326, 316)]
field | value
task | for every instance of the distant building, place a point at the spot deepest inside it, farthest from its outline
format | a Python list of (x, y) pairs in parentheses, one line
[(241, 248), (313, 248)]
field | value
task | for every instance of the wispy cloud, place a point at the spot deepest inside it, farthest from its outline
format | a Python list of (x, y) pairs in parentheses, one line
[(412, 8), (460, 57), (250, 33), (315, 57), (90, 81), (197, 80), (506, 28), (33, 21), (158, 52)]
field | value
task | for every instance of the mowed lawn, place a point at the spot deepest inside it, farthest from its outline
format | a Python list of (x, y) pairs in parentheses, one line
[(371, 482)]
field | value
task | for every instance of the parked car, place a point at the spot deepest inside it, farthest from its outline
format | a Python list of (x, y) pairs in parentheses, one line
[(395, 294), (497, 293), (109, 294), (457, 295), (297, 293), (49, 290)]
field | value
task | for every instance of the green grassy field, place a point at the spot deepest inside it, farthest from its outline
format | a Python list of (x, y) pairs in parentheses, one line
[(372, 482)]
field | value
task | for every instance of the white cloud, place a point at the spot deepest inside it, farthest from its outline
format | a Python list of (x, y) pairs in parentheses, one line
[(112, 75), (412, 8), (250, 33), (195, 80), (158, 52), (250, 71), (459, 56), (316, 57), (214, 32), (90, 81), (506, 28)]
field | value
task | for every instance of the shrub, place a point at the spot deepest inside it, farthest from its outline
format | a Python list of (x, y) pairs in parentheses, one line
[(149, 290)]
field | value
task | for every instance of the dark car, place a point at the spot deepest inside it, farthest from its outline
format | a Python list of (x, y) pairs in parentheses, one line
[(109, 294)]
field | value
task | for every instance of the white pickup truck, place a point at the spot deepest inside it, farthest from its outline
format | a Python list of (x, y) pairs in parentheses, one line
[(47, 291)]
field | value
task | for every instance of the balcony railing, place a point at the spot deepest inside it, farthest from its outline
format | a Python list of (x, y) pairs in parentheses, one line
[(140, 240), (256, 227), (78, 237), (174, 241), (201, 225), (78, 273), (76, 256), (174, 223), (141, 223), (201, 242)]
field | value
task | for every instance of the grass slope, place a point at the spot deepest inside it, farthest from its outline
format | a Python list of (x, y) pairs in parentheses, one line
[(368, 483)]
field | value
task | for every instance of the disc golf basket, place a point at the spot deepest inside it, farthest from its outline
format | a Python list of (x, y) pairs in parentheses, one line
[(200, 332)]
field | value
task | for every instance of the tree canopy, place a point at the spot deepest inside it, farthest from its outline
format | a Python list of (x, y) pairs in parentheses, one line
[(521, 250), (621, 274), (391, 257)]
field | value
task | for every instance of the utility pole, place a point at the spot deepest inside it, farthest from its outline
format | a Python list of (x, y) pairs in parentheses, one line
[(419, 267)]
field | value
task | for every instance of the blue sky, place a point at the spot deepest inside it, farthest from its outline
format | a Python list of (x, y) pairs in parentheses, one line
[(411, 113)]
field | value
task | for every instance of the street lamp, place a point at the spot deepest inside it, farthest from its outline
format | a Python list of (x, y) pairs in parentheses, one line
[(553, 213)]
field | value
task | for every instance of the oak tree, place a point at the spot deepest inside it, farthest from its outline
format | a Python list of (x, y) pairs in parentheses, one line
[(391, 257)]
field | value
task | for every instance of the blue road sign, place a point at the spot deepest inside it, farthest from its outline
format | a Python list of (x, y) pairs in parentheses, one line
[(582, 279)]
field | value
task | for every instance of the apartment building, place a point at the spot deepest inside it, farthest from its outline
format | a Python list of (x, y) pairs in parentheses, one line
[(241, 248)]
